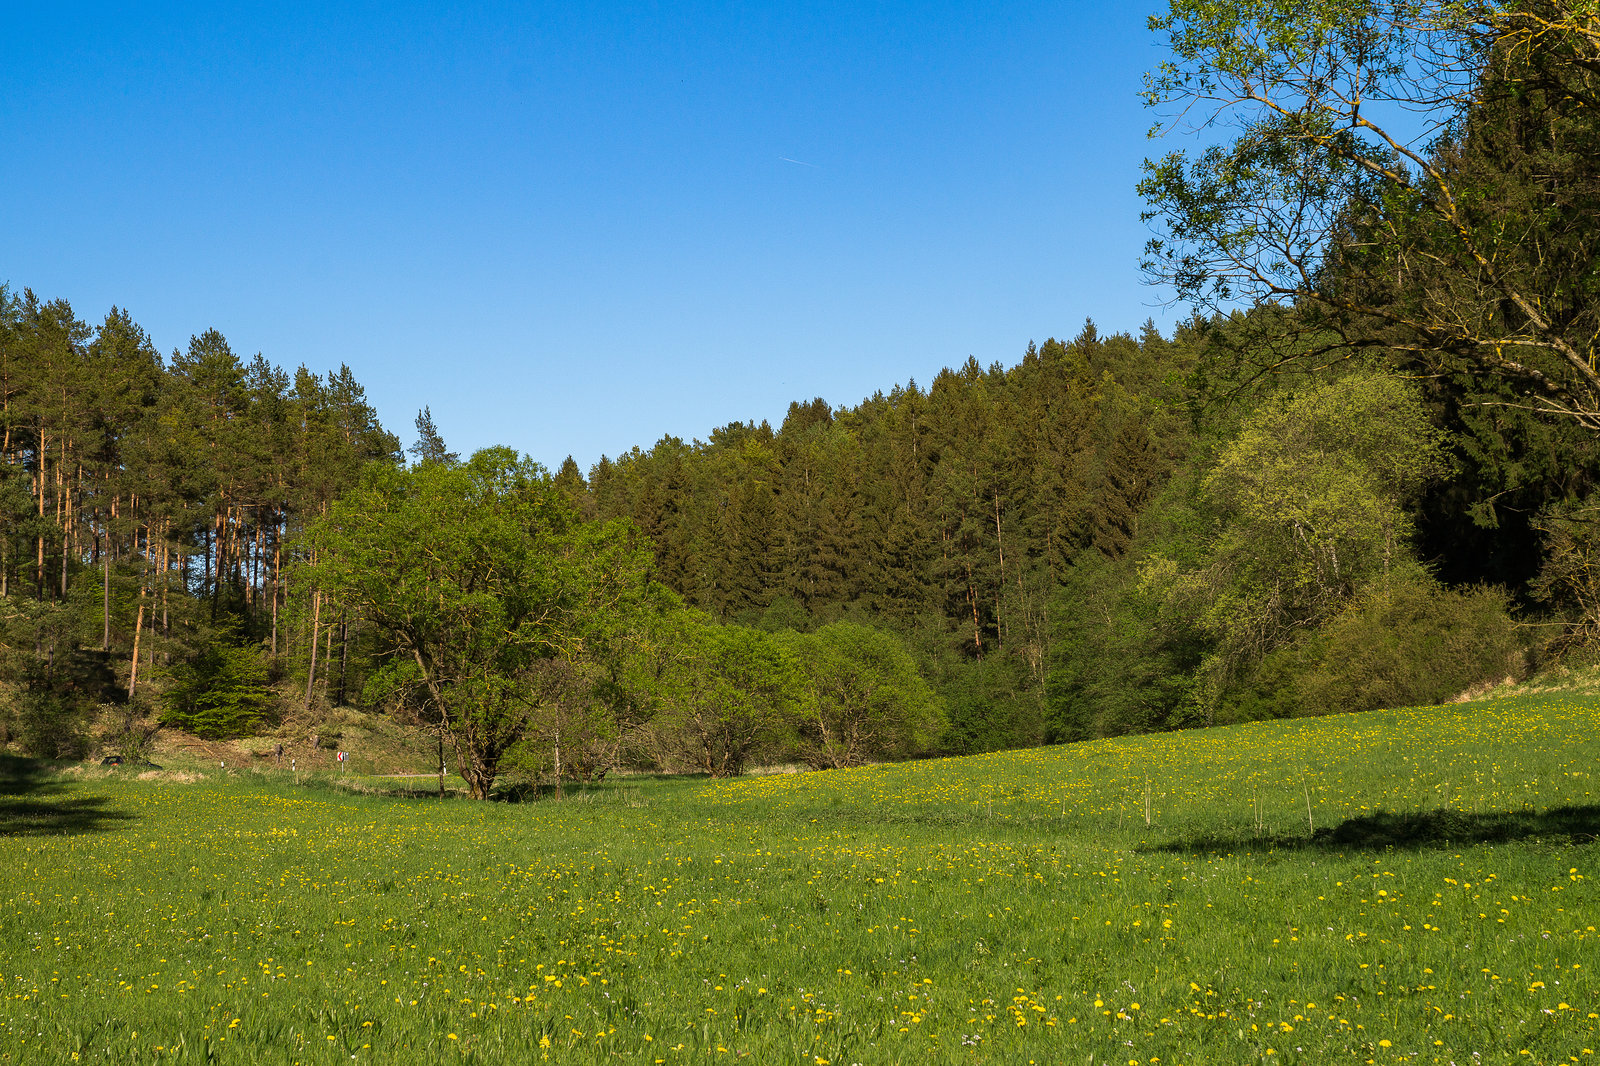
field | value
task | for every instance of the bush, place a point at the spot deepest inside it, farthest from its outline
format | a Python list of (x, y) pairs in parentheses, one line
[(1417, 644), (221, 693), (50, 725), (1412, 644), (865, 698)]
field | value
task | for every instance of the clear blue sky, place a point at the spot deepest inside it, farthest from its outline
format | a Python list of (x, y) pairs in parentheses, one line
[(576, 228)]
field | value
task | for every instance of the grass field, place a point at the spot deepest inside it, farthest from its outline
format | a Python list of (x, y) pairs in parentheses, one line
[(1400, 886)]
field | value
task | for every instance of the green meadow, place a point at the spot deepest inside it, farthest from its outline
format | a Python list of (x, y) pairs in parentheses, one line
[(1407, 886)]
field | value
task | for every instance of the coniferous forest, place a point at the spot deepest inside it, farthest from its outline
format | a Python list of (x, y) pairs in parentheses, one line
[(1361, 475)]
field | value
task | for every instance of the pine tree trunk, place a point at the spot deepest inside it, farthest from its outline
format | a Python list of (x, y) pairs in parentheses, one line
[(1000, 544), (206, 574), (138, 626), (344, 656), (311, 675), (63, 517), (40, 482), (277, 562), (166, 580), (327, 656), (105, 590), (972, 598)]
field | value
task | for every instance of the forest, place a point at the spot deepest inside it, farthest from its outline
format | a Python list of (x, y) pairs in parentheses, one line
[(1361, 474)]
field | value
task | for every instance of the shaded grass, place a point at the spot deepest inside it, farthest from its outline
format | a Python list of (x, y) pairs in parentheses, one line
[(34, 801), (1385, 830)]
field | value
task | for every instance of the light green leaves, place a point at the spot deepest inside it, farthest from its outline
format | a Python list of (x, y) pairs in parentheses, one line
[(477, 573)]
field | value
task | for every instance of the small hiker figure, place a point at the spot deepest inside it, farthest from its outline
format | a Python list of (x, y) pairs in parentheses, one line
[(280, 753)]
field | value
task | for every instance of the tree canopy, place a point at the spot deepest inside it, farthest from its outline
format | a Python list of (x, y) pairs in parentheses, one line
[(1416, 176), (477, 573)]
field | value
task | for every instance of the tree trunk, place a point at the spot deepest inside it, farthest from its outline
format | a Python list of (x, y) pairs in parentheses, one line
[(40, 481), (166, 580), (133, 667), (311, 675), (138, 622), (327, 658), (558, 764), (344, 656), (1000, 543), (480, 779), (277, 562), (105, 593), (208, 586), (972, 599)]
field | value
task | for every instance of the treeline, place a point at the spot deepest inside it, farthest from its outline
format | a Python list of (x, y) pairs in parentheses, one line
[(147, 508), (951, 514), (1363, 474), (1119, 535), (1111, 535), (165, 561)]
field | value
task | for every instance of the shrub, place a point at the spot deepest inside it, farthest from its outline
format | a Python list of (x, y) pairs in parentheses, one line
[(221, 693), (1416, 643), (1412, 643), (50, 725)]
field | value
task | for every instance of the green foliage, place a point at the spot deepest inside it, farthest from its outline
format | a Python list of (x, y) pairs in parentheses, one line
[(1409, 643), (1569, 582), (1276, 577), (51, 724), (866, 699), (1467, 252), (479, 573), (430, 446), (946, 513), (50, 685), (1308, 504), (222, 692), (723, 695), (1123, 663), (1456, 244), (783, 613), (991, 704)]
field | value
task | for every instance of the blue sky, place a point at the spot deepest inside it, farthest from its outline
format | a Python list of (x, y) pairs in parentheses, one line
[(576, 228)]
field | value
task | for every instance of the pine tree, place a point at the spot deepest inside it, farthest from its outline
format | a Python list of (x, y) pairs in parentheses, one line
[(430, 446)]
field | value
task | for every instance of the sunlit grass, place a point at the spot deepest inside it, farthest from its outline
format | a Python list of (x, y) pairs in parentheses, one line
[(1234, 895)]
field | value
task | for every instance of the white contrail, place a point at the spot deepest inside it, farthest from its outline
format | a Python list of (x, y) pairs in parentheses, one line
[(799, 162)]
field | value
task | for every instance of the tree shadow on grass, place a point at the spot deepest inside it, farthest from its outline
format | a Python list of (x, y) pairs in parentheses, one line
[(34, 802), (1415, 829)]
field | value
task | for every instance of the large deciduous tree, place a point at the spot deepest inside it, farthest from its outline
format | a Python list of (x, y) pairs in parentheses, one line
[(865, 699), (722, 695), (1418, 176), (479, 575), (1306, 509)]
